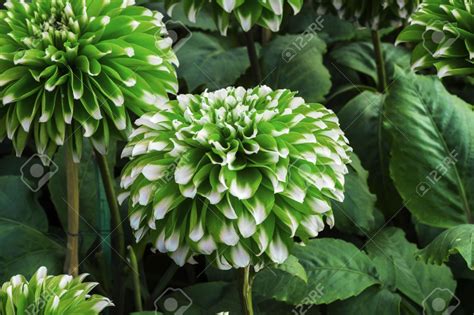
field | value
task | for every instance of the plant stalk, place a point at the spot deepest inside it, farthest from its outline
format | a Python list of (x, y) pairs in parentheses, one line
[(379, 60), (118, 237), (72, 177), (246, 292), (136, 279), (252, 52)]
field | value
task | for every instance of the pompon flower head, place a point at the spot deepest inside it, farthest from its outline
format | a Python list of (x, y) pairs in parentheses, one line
[(71, 68), (234, 174), (267, 13), (375, 14), (442, 33), (48, 295)]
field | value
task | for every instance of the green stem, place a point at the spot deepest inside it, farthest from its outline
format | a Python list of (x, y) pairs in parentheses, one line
[(136, 279), (107, 178), (246, 293), (252, 52), (379, 60), (72, 182)]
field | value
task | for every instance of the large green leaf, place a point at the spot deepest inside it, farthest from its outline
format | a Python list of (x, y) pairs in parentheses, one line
[(374, 300), (336, 268), (363, 122), (396, 262), (295, 62), (19, 203), (211, 62), (285, 282), (23, 249), (458, 239), (357, 213), (432, 160), (360, 56)]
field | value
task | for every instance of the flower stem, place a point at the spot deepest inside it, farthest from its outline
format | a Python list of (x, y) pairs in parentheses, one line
[(118, 234), (246, 293), (164, 280), (136, 279), (72, 177), (252, 52), (382, 76)]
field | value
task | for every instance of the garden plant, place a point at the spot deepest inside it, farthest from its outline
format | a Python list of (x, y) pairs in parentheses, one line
[(236, 157)]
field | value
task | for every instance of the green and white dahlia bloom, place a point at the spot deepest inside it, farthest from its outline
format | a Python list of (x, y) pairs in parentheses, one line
[(50, 295), (71, 68), (267, 13), (375, 14), (443, 35), (234, 174)]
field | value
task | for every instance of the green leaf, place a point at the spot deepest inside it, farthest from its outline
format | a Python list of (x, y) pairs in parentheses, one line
[(398, 267), (458, 239), (362, 121), (433, 150), (374, 300), (285, 282), (336, 270), (356, 213), (211, 62), (19, 203), (23, 249), (296, 63), (360, 56)]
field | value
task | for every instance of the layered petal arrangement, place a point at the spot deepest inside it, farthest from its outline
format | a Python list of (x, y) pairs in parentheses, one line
[(375, 14), (49, 295), (267, 13), (234, 174), (443, 35), (74, 68)]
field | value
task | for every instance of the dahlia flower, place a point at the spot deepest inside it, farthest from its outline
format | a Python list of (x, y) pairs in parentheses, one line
[(268, 14), (48, 295), (73, 68), (234, 174), (441, 31), (374, 14)]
